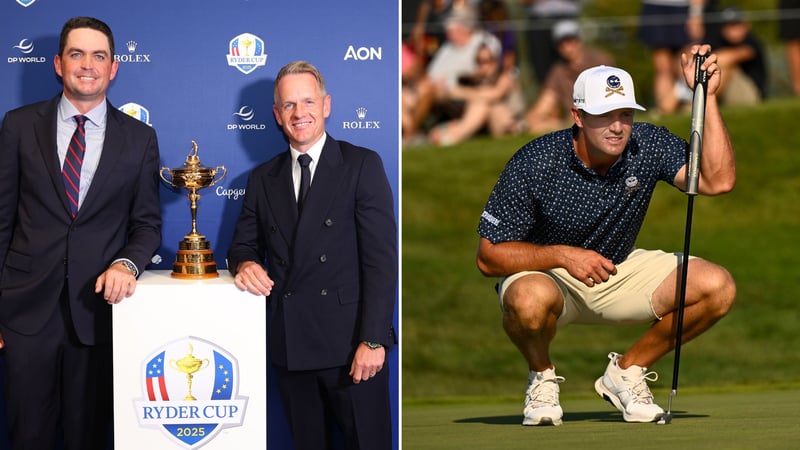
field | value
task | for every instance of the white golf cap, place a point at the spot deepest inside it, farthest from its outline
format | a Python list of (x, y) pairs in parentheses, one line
[(601, 89)]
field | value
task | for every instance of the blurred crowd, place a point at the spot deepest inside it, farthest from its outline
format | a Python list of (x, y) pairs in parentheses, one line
[(461, 60)]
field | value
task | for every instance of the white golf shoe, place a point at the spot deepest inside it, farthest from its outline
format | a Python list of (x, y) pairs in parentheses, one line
[(541, 399), (627, 390)]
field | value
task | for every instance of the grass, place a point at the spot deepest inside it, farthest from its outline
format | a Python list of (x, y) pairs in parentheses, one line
[(453, 343), (733, 420)]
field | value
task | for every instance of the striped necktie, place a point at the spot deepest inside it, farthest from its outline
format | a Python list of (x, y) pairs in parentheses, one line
[(71, 171)]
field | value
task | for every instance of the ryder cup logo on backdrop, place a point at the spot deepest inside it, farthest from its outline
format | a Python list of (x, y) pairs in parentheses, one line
[(246, 53), (136, 111), (191, 389), (26, 3)]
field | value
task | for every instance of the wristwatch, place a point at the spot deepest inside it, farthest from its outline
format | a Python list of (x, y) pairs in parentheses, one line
[(373, 345), (129, 265)]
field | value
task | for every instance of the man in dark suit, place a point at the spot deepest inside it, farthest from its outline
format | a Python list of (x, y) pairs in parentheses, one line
[(67, 255), (332, 260)]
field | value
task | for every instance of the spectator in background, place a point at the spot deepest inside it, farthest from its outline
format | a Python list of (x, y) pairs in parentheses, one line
[(455, 58), (789, 33), (741, 56), (412, 69), (428, 33), (542, 16), (494, 17), (492, 99), (551, 111), (667, 26)]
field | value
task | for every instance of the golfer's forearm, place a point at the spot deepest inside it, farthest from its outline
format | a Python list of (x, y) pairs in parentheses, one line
[(718, 162), (506, 258)]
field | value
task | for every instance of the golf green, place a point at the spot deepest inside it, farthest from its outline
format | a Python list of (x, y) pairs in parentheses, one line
[(752, 419)]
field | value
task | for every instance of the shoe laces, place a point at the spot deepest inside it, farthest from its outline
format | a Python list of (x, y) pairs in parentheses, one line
[(638, 387), (543, 392)]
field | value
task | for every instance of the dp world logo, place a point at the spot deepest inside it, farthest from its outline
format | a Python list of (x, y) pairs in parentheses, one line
[(246, 53), (190, 389)]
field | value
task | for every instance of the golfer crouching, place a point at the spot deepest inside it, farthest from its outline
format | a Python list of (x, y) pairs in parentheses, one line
[(560, 226)]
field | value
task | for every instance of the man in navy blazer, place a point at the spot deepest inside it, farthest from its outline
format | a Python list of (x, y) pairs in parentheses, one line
[(332, 271), (60, 273)]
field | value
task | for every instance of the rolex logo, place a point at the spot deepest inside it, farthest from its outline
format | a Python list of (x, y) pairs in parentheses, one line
[(132, 56), (361, 124)]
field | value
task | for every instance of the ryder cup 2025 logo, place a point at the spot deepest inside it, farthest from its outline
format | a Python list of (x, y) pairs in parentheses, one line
[(246, 53), (136, 111), (190, 391)]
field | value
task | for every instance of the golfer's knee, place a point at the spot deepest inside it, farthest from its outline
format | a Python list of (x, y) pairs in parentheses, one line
[(720, 291), (532, 301)]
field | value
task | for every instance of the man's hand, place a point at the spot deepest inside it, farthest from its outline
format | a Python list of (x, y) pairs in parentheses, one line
[(588, 266), (116, 283), (251, 277), (710, 66), (367, 362)]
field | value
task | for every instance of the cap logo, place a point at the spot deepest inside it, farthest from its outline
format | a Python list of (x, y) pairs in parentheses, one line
[(614, 86)]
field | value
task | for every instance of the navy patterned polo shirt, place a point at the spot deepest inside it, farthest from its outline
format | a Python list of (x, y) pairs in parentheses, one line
[(547, 196)]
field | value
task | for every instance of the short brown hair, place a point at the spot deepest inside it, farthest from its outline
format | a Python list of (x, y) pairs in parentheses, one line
[(85, 22), (297, 67)]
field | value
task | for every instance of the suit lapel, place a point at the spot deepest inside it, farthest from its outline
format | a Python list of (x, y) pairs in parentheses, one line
[(45, 131), (279, 190), (113, 149), (324, 188)]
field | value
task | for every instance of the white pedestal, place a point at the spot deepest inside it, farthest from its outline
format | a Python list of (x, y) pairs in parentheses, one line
[(172, 328)]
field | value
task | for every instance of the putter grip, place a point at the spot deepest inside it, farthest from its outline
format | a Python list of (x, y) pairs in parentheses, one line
[(698, 117)]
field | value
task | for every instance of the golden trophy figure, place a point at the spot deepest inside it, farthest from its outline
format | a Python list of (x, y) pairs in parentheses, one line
[(189, 364), (194, 259)]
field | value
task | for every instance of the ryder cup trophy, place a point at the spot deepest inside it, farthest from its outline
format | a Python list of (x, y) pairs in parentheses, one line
[(194, 259)]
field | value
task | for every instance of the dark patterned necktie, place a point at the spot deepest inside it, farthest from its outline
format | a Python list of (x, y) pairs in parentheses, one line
[(71, 171), (305, 179)]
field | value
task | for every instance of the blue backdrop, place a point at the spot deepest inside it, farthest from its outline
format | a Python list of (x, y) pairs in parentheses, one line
[(204, 70)]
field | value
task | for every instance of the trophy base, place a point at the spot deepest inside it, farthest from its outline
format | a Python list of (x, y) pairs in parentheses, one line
[(194, 260)]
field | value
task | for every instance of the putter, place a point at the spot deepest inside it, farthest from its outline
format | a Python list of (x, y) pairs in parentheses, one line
[(692, 178)]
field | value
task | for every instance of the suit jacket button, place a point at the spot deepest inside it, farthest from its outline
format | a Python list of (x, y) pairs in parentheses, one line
[(272, 229), (323, 292), (323, 258), (328, 222)]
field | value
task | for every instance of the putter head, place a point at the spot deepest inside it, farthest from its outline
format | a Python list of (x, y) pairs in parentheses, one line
[(665, 419)]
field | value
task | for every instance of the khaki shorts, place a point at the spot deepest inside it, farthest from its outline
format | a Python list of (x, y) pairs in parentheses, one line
[(626, 298)]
